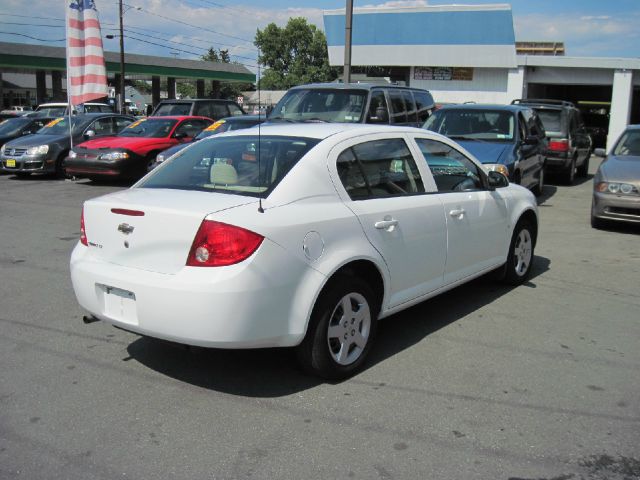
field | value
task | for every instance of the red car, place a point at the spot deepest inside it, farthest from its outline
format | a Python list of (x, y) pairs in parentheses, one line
[(129, 153)]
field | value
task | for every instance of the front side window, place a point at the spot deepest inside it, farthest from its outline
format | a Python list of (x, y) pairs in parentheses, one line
[(102, 126), (243, 165), (398, 108), (411, 106), (149, 128), (473, 124), (321, 105), (122, 122), (629, 144), (380, 168), (235, 110), (190, 128), (451, 170), (378, 110)]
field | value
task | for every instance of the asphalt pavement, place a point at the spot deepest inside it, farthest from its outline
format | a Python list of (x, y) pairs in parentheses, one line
[(484, 382)]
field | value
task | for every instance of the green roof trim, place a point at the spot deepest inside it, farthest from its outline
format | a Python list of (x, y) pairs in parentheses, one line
[(49, 63)]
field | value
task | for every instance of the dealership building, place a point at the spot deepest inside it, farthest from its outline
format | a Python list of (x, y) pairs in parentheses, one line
[(468, 54)]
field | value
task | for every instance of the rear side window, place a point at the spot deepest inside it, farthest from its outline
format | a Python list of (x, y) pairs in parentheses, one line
[(240, 165), (381, 168), (451, 170), (398, 109), (424, 104), (172, 109), (411, 106)]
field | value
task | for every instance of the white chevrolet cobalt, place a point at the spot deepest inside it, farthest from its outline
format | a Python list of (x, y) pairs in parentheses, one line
[(300, 235)]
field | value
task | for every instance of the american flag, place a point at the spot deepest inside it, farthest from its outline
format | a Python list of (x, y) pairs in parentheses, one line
[(86, 72)]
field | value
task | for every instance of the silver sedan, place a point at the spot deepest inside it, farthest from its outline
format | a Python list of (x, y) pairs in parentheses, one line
[(616, 185)]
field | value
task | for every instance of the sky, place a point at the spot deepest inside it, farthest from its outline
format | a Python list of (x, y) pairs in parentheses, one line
[(186, 28)]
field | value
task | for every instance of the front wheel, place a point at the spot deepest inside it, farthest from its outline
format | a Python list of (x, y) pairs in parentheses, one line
[(341, 330), (520, 258), (539, 188)]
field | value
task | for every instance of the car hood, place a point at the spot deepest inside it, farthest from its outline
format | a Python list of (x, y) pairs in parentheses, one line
[(621, 169), (487, 152), (129, 143), (35, 140)]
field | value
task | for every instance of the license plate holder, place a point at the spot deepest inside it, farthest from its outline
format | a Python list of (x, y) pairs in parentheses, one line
[(119, 304), (11, 164)]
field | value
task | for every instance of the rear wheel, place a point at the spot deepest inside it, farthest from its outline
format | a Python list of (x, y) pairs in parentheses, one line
[(520, 258), (570, 173), (583, 170), (341, 330), (539, 188)]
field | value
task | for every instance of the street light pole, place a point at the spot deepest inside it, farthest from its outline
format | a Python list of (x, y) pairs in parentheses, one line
[(347, 42), (121, 102)]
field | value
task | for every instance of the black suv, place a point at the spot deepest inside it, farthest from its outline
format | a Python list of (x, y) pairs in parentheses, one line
[(215, 109), (354, 103), (570, 144)]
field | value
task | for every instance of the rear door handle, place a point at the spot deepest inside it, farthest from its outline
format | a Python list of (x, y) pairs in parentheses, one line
[(457, 212), (386, 224)]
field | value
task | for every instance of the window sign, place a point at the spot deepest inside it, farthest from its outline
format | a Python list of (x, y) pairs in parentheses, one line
[(443, 73)]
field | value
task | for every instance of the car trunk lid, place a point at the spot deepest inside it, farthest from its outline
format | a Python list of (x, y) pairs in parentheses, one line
[(150, 229)]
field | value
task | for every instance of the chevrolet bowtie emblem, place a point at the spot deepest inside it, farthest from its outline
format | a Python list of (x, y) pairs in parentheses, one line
[(125, 228)]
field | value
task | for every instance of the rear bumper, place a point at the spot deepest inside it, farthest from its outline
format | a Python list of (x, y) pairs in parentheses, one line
[(616, 207), (247, 305), (557, 162)]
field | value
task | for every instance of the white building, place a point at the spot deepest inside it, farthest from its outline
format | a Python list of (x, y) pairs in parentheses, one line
[(468, 54)]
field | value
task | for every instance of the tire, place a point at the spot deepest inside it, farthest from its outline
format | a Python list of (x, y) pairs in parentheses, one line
[(60, 171), (520, 257), (583, 170), (336, 345), (539, 188), (597, 223), (570, 173)]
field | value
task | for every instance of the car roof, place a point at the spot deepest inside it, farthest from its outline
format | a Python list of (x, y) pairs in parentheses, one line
[(191, 100), (320, 130), (179, 117), (485, 106), (350, 86)]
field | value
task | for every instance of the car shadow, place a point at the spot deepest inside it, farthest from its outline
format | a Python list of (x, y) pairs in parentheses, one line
[(620, 227), (267, 373), (548, 191), (556, 179)]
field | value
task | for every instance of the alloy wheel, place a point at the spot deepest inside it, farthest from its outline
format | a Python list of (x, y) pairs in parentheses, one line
[(349, 328), (523, 252)]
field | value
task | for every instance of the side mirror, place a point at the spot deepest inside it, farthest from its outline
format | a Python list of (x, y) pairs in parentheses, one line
[(531, 140), (600, 152), (180, 136), (497, 180), (90, 133)]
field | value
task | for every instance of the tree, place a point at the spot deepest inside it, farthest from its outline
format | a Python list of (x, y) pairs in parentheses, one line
[(226, 89), (293, 55)]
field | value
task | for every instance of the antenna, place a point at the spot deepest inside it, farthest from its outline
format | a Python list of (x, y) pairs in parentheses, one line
[(260, 209)]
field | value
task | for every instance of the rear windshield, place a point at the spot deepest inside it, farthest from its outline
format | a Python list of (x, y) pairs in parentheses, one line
[(243, 165), (172, 110), (149, 128), (321, 105), (488, 125), (551, 119), (51, 111), (629, 144)]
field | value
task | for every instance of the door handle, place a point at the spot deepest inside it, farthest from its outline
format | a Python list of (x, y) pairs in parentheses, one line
[(386, 224), (457, 212)]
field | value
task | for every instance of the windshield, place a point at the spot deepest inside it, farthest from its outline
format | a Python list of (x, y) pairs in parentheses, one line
[(13, 126), (629, 144), (551, 119), (321, 104), (489, 125), (149, 128), (244, 165), (52, 111), (172, 109), (60, 126)]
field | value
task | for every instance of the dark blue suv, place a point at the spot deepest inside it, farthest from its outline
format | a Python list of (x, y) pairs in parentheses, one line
[(509, 139)]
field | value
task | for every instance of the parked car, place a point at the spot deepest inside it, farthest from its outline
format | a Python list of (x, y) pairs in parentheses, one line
[(13, 128), (354, 103), (570, 144), (616, 184), (203, 107), (45, 151), (129, 153), (59, 109), (303, 236), (506, 138), (221, 126)]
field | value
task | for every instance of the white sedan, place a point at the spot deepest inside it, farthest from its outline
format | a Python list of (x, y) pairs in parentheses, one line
[(298, 235)]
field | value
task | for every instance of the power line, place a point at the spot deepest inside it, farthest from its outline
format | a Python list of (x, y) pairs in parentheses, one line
[(35, 38)]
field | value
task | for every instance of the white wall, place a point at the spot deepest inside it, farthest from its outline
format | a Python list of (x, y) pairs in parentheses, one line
[(570, 76), (620, 104), (489, 85)]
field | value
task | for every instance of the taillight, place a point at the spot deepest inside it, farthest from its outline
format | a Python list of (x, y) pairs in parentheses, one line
[(83, 232), (218, 244), (559, 145)]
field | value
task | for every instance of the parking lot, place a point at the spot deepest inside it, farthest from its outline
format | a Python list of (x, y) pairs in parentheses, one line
[(488, 382)]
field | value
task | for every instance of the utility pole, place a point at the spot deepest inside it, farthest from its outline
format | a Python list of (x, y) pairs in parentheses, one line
[(121, 102), (347, 42)]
